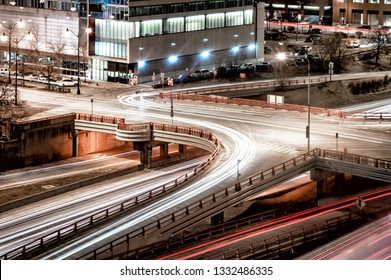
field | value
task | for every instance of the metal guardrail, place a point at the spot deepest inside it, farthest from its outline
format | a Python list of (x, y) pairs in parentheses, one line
[(273, 248), (249, 85), (107, 250), (206, 95), (75, 227), (163, 246), (251, 103)]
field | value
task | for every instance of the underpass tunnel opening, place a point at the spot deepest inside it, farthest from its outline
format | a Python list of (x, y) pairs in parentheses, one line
[(88, 142), (154, 153)]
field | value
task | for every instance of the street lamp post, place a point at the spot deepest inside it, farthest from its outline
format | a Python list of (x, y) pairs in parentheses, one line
[(16, 66), (281, 56), (308, 104), (237, 173), (78, 35), (10, 27)]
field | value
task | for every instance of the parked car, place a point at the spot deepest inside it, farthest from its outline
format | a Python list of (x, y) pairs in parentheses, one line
[(306, 48), (341, 34), (352, 43), (278, 36), (204, 74), (267, 50), (300, 61), (315, 31), (291, 47), (312, 38), (181, 79), (268, 35), (67, 82), (247, 67), (220, 71), (264, 66), (291, 29), (368, 27)]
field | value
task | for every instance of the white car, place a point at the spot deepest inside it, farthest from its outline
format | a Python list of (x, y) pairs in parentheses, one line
[(67, 82)]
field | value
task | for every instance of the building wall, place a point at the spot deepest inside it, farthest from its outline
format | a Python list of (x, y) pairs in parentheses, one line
[(187, 43), (373, 12), (48, 27)]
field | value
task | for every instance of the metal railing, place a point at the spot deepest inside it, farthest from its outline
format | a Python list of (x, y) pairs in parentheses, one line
[(74, 228), (252, 103), (107, 250), (287, 243)]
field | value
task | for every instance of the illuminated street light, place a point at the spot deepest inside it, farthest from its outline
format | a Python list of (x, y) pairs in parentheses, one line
[(252, 47), (282, 56), (172, 59), (205, 54), (141, 63), (235, 49)]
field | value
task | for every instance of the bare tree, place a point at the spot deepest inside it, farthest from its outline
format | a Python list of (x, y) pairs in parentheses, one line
[(36, 53), (9, 112), (331, 50), (380, 39), (57, 49), (284, 73), (233, 58)]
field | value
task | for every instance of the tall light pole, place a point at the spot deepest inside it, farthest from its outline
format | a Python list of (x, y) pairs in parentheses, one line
[(16, 41), (78, 35), (282, 56), (16, 65), (308, 104), (10, 27)]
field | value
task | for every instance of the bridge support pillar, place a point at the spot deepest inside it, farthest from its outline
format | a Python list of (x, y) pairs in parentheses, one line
[(217, 219), (145, 149), (320, 174), (339, 179), (182, 148), (321, 187), (164, 151), (340, 186), (75, 143)]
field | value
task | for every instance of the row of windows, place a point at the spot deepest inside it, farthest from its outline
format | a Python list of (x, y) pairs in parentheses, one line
[(369, 1), (187, 7), (111, 36), (194, 23), (125, 30)]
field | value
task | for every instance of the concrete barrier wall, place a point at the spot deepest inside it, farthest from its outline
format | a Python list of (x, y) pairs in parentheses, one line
[(38, 142)]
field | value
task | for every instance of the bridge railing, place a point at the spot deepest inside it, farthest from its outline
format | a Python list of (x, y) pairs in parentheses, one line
[(72, 229), (193, 208), (250, 85), (188, 95), (206, 95), (359, 159), (154, 227), (287, 242)]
